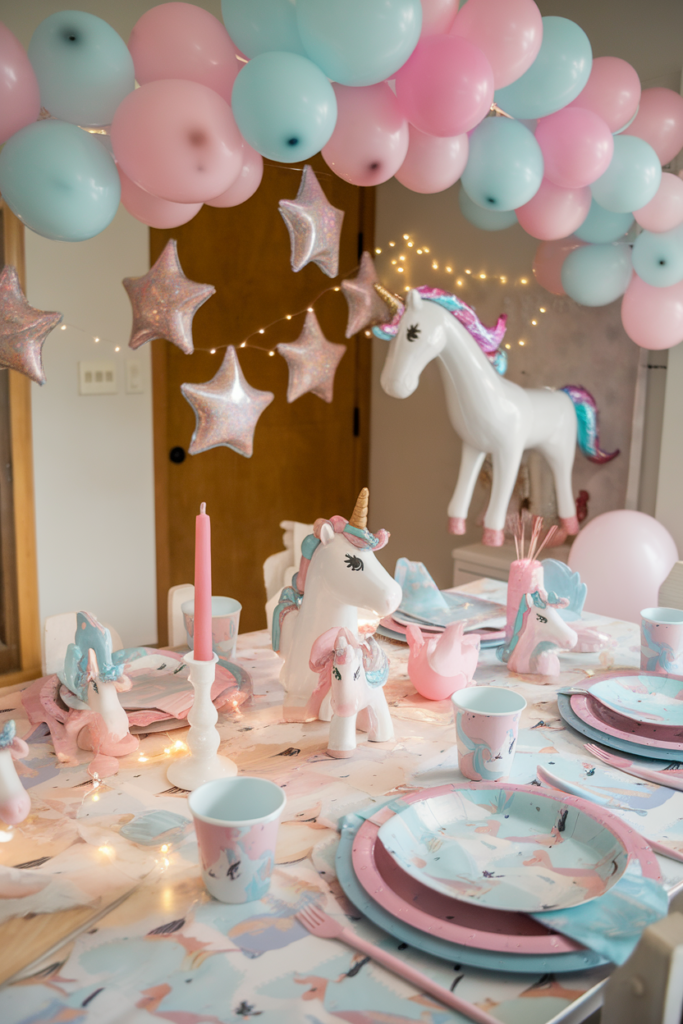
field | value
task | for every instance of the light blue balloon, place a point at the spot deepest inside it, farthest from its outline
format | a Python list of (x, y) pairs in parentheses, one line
[(487, 220), (284, 106), (83, 67), (59, 181), (505, 165), (632, 178), (556, 77), (359, 42), (603, 226), (658, 257), (261, 26), (595, 275)]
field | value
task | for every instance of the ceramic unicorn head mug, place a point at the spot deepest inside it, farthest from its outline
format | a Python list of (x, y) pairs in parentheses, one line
[(538, 633)]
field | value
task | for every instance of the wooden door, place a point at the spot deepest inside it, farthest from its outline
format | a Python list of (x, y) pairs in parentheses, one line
[(310, 457)]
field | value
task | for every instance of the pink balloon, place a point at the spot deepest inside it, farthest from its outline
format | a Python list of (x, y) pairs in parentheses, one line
[(370, 139), (508, 32), (612, 92), (547, 266), (19, 92), (437, 16), (433, 164), (577, 146), (180, 40), (623, 557), (653, 317), (248, 180), (445, 87), (177, 140), (157, 213), (660, 122), (665, 211), (554, 212)]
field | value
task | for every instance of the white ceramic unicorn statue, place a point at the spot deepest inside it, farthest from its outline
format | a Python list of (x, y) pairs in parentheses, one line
[(492, 415), (338, 574), (539, 632), (15, 803), (353, 673)]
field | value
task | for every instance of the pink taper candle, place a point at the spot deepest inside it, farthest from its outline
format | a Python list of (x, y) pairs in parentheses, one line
[(203, 650)]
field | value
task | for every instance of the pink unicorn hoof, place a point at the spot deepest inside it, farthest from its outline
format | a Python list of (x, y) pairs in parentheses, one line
[(493, 538), (570, 525), (457, 526), (16, 809), (341, 753)]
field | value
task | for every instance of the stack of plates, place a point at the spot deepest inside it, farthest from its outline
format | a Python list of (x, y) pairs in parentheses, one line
[(483, 617), (637, 713), (453, 874)]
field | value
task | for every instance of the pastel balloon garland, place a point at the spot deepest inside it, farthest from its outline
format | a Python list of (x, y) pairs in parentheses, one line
[(382, 88)]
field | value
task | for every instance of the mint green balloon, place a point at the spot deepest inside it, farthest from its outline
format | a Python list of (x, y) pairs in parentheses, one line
[(632, 178), (284, 106), (556, 77), (261, 26), (658, 257), (59, 180), (487, 220), (83, 67), (505, 165), (602, 225), (596, 275)]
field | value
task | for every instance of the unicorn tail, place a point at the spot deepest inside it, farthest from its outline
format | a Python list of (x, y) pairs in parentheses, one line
[(587, 417)]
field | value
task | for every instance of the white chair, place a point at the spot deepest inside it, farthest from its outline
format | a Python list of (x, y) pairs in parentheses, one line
[(671, 590), (177, 637), (278, 569), (58, 632)]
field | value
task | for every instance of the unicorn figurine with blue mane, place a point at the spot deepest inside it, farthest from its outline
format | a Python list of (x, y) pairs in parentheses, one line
[(492, 415), (15, 803), (539, 632)]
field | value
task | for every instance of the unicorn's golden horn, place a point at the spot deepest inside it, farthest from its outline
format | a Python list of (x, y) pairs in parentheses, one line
[(391, 300), (359, 516)]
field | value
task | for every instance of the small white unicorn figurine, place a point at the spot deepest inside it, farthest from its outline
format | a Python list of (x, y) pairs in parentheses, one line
[(15, 803), (338, 574), (539, 632), (491, 415), (353, 673)]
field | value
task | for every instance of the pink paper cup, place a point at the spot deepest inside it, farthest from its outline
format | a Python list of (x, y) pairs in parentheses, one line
[(236, 821), (661, 640), (225, 624), (486, 728)]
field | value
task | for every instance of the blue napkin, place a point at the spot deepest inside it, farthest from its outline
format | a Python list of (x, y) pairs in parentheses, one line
[(421, 596)]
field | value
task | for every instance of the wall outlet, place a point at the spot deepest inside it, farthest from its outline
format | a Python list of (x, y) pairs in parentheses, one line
[(97, 377), (134, 380)]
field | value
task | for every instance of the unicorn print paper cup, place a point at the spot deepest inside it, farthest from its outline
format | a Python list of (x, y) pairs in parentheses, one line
[(236, 821), (661, 640), (486, 728), (225, 623)]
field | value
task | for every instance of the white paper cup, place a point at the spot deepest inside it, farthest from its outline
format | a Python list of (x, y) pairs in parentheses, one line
[(225, 624)]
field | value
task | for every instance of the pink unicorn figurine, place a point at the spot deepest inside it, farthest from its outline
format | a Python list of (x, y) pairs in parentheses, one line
[(353, 672), (443, 664), (15, 803), (538, 633)]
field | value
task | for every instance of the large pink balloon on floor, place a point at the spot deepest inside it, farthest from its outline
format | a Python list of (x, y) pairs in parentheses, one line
[(665, 211), (660, 122), (248, 180), (509, 32), (554, 212), (433, 164), (179, 40), (157, 213), (612, 92), (446, 86), (577, 147), (548, 262), (623, 557), (370, 139), (177, 140), (437, 16), (19, 91), (653, 317)]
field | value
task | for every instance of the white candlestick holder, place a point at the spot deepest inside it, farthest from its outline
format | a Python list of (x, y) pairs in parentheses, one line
[(203, 763)]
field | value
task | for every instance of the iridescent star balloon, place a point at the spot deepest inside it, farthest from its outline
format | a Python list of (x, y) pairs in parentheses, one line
[(227, 409), (164, 302), (23, 329), (312, 361), (314, 226), (365, 305)]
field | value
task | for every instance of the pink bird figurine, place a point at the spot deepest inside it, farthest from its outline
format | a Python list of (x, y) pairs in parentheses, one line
[(443, 664)]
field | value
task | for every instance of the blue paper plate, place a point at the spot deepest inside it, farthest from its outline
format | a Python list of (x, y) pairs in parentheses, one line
[(607, 740)]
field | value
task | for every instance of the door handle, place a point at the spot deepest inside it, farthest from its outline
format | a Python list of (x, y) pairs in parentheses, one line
[(177, 454)]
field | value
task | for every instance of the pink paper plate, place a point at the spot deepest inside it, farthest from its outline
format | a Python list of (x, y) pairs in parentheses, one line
[(610, 722), (478, 927)]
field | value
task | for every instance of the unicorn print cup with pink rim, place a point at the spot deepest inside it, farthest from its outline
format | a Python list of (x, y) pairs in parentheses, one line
[(486, 728), (661, 640), (225, 623), (237, 821)]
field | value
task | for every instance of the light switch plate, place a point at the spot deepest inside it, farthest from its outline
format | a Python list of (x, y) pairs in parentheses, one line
[(97, 377), (134, 379)]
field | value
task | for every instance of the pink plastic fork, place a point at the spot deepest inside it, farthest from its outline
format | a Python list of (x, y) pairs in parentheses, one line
[(661, 778), (323, 926)]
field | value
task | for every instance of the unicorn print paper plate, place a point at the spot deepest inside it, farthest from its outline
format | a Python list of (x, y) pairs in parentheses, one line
[(643, 697), (508, 847)]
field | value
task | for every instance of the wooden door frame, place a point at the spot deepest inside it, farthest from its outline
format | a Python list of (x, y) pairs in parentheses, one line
[(22, 486)]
